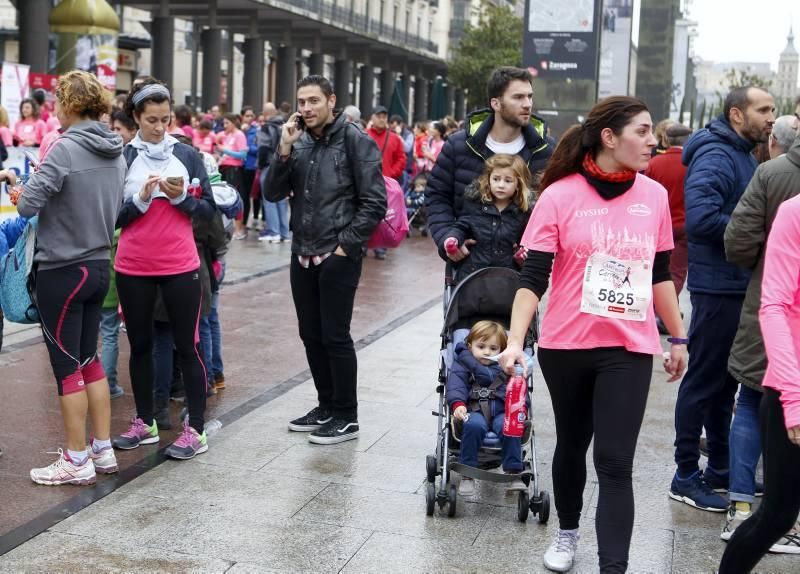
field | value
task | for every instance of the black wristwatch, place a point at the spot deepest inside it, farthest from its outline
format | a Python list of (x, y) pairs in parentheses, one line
[(677, 341)]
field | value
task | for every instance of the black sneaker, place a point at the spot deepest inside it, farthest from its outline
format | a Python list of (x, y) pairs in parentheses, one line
[(162, 419), (311, 421), (336, 431)]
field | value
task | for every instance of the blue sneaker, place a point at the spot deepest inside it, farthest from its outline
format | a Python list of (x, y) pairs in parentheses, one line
[(115, 391), (696, 492)]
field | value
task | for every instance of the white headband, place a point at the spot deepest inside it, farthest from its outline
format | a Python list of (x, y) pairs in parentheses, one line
[(149, 91)]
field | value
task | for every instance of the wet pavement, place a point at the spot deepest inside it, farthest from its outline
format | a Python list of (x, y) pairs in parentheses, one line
[(265, 500)]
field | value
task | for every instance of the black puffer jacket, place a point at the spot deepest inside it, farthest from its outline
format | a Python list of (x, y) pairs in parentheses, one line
[(461, 162), (497, 233), (339, 195)]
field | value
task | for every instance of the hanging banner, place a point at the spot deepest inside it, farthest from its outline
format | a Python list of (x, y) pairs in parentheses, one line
[(97, 53), (15, 88), (560, 39)]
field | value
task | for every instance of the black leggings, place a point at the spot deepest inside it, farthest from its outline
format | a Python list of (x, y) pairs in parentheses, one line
[(781, 503), (69, 300), (234, 176), (600, 393), (248, 177), (181, 294)]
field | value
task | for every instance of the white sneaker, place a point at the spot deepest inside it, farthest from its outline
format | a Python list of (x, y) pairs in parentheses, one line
[(561, 553), (466, 487), (516, 486), (789, 543), (63, 471), (270, 238), (105, 461), (732, 521)]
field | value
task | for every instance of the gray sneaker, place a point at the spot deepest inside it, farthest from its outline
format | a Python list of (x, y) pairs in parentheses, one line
[(732, 521), (789, 542), (561, 553), (466, 487)]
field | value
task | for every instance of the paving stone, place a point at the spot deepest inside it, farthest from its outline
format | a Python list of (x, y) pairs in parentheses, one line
[(59, 552), (292, 546), (345, 466), (393, 512)]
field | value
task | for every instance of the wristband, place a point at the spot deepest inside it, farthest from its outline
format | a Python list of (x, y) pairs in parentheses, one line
[(677, 341)]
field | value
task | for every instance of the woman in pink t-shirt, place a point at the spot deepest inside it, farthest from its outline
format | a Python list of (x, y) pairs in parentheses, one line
[(780, 407), (606, 231), (29, 129), (157, 256), (232, 148), (204, 139)]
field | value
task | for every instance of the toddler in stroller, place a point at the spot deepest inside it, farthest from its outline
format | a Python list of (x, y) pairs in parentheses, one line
[(480, 303), (415, 203), (476, 392)]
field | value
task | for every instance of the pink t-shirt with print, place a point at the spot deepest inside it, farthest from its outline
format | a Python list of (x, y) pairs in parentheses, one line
[(204, 143), (234, 141), (573, 221)]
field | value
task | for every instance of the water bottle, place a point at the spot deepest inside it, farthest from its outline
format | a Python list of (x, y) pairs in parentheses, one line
[(212, 427), (516, 408), (195, 190), (451, 245)]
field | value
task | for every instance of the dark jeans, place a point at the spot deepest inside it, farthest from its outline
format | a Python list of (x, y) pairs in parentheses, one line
[(181, 294), (705, 397), (70, 300), (323, 299), (600, 393), (778, 510), (474, 432)]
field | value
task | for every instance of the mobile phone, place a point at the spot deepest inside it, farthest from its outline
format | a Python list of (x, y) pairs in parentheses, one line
[(301, 124), (32, 158), (175, 180)]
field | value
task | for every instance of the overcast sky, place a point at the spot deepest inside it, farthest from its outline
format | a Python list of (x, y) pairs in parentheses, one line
[(744, 30)]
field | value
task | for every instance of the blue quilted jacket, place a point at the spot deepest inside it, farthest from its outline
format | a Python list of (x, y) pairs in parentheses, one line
[(462, 160), (720, 165)]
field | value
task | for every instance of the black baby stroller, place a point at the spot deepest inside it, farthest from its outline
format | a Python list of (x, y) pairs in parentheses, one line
[(486, 294)]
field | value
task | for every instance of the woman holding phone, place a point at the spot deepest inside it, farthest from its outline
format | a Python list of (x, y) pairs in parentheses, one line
[(157, 252)]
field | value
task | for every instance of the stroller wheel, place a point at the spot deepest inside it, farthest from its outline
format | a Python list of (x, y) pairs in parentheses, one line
[(523, 506), (452, 495), (544, 507), (431, 467), (430, 499)]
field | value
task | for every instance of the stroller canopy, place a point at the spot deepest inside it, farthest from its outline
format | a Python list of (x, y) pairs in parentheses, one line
[(485, 294)]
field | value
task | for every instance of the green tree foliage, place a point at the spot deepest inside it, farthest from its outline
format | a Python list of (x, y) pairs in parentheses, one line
[(495, 41)]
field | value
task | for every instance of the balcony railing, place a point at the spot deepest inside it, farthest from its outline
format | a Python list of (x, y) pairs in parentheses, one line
[(358, 22)]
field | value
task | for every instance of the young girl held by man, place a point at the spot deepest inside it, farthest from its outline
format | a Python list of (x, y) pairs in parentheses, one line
[(496, 210)]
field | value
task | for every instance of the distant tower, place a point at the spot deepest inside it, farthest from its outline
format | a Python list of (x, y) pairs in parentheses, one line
[(788, 64)]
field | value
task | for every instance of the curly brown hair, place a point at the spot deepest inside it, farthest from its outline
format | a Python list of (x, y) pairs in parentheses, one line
[(81, 93)]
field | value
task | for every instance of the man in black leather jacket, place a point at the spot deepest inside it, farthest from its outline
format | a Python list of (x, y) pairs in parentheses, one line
[(332, 171)]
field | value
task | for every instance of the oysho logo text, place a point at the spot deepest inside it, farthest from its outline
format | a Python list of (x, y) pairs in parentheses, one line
[(591, 212)]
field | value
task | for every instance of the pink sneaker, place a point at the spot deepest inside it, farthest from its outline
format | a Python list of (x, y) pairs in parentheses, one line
[(189, 444), (138, 433), (65, 471)]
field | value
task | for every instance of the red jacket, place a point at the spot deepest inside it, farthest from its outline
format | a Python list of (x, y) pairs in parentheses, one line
[(667, 169), (394, 156)]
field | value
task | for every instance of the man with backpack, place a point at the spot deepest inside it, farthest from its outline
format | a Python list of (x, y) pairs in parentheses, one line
[(393, 156), (276, 214), (332, 172)]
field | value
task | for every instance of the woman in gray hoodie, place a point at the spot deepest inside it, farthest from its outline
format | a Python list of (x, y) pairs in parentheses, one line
[(77, 194)]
